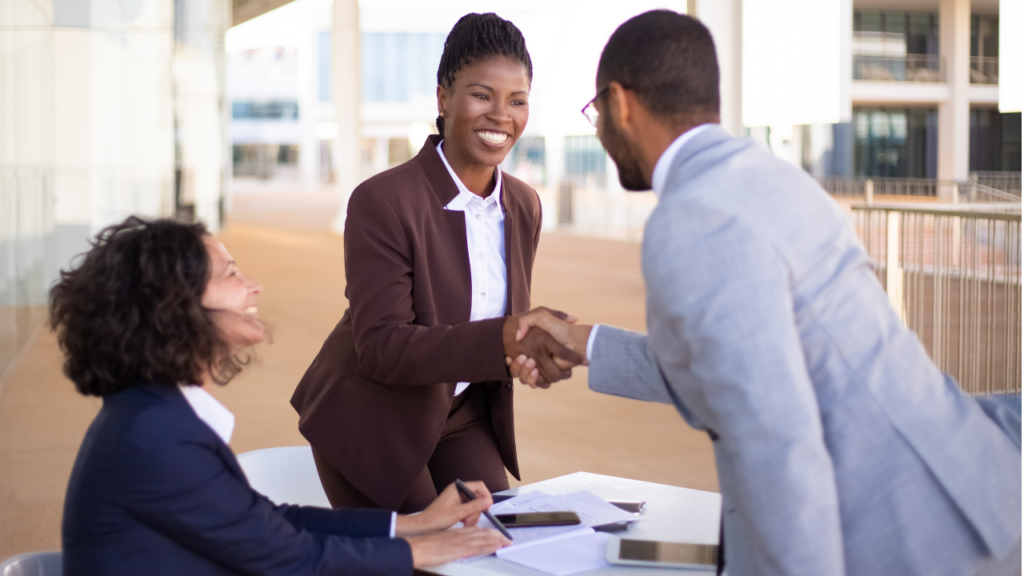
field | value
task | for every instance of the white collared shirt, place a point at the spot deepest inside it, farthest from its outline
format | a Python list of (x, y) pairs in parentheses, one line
[(658, 180), (210, 411), (485, 240), (222, 421), (660, 175)]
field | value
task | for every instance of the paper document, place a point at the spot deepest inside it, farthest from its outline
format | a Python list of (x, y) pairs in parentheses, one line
[(564, 554), (559, 550)]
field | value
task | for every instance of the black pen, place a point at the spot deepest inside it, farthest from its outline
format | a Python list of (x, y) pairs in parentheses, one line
[(468, 495)]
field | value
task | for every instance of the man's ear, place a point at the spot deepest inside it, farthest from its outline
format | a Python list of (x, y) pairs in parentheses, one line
[(620, 106)]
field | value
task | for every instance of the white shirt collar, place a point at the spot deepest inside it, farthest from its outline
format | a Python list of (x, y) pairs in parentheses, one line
[(665, 160), (210, 411), (465, 196)]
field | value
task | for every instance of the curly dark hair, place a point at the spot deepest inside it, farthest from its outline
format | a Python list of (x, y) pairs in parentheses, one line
[(131, 311), (477, 36)]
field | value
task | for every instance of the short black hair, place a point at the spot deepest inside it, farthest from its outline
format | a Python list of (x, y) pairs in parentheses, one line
[(131, 311), (668, 59), (478, 36)]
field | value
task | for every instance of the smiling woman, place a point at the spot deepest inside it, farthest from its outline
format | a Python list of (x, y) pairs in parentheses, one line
[(154, 314), (411, 391)]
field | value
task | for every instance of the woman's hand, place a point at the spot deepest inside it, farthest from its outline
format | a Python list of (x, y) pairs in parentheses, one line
[(559, 325), (446, 511), (443, 547)]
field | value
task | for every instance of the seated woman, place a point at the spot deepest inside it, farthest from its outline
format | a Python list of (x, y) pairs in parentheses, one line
[(155, 315)]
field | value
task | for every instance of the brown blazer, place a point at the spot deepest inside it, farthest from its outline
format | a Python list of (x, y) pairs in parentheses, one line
[(375, 399)]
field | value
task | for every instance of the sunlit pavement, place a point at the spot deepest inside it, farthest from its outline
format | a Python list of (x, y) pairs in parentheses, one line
[(283, 241)]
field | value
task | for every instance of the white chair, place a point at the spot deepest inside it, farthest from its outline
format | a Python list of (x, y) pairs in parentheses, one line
[(33, 564), (286, 475)]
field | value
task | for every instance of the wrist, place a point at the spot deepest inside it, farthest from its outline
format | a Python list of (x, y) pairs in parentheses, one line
[(581, 336), (408, 525)]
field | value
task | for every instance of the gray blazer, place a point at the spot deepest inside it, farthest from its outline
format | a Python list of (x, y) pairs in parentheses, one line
[(840, 447)]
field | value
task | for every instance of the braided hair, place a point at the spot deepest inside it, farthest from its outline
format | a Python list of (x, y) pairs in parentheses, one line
[(477, 36)]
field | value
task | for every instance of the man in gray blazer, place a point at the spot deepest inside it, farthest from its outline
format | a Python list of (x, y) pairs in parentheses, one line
[(840, 447)]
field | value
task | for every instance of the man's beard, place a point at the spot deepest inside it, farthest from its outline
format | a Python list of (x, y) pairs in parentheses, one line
[(630, 175)]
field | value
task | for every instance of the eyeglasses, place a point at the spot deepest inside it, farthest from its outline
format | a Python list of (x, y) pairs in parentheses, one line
[(590, 110)]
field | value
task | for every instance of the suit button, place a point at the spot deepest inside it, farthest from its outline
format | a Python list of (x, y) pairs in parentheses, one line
[(478, 216)]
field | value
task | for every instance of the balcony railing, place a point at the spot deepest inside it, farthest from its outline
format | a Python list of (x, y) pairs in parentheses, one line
[(860, 186), (907, 68), (953, 273), (980, 187), (1005, 181), (984, 70)]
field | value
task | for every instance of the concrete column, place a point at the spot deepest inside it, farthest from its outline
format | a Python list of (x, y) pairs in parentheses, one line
[(955, 113), (725, 20), (308, 99), (346, 90)]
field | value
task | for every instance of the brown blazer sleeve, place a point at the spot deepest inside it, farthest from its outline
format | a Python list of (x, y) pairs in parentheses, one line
[(390, 348)]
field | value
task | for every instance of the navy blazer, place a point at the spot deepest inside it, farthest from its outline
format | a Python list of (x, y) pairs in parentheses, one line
[(155, 491)]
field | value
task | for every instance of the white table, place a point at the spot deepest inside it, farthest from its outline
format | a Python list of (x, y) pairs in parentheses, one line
[(672, 514)]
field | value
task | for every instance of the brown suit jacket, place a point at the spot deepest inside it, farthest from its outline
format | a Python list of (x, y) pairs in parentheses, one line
[(375, 399)]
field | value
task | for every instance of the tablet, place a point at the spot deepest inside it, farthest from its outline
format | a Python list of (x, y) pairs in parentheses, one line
[(662, 554)]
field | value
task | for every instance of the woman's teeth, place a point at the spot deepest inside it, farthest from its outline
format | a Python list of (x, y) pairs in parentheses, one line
[(496, 138), (251, 310)]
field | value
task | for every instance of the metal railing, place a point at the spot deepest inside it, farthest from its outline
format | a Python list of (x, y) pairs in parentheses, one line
[(984, 70), (907, 68), (953, 273), (981, 187), (880, 186), (1005, 181)]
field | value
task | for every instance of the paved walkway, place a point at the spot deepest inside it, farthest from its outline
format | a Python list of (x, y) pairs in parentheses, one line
[(283, 241)]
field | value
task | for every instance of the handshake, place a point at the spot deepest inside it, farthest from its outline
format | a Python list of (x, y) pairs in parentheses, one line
[(543, 345)]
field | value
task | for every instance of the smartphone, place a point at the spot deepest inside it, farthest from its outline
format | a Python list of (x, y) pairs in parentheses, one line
[(665, 554), (526, 520)]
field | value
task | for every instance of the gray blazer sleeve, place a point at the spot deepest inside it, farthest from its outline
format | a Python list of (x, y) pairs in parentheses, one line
[(623, 365)]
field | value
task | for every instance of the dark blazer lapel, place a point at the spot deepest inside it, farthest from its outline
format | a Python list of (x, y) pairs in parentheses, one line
[(223, 450), (461, 297), (455, 307), (513, 253), (438, 178)]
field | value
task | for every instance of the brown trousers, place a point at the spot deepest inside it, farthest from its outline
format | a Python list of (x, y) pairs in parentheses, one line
[(467, 450)]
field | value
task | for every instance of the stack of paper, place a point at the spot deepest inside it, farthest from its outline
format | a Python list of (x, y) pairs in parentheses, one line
[(559, 550)]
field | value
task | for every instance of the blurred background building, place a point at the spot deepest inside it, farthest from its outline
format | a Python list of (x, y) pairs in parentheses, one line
[(174, 107)]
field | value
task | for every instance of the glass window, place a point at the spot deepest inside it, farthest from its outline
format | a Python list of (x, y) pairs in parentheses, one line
[(895, 142), (585, 161), (265, 110), (398, 66), (995, 141)]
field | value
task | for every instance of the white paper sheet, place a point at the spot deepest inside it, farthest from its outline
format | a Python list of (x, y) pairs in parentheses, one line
[(577, 551)]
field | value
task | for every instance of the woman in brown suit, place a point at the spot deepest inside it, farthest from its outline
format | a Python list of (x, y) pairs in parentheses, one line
[(411, 390)]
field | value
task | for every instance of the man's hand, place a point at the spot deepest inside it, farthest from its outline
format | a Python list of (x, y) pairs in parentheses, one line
[(553, 360), (565, 332), (445, 511), (443, 547)]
